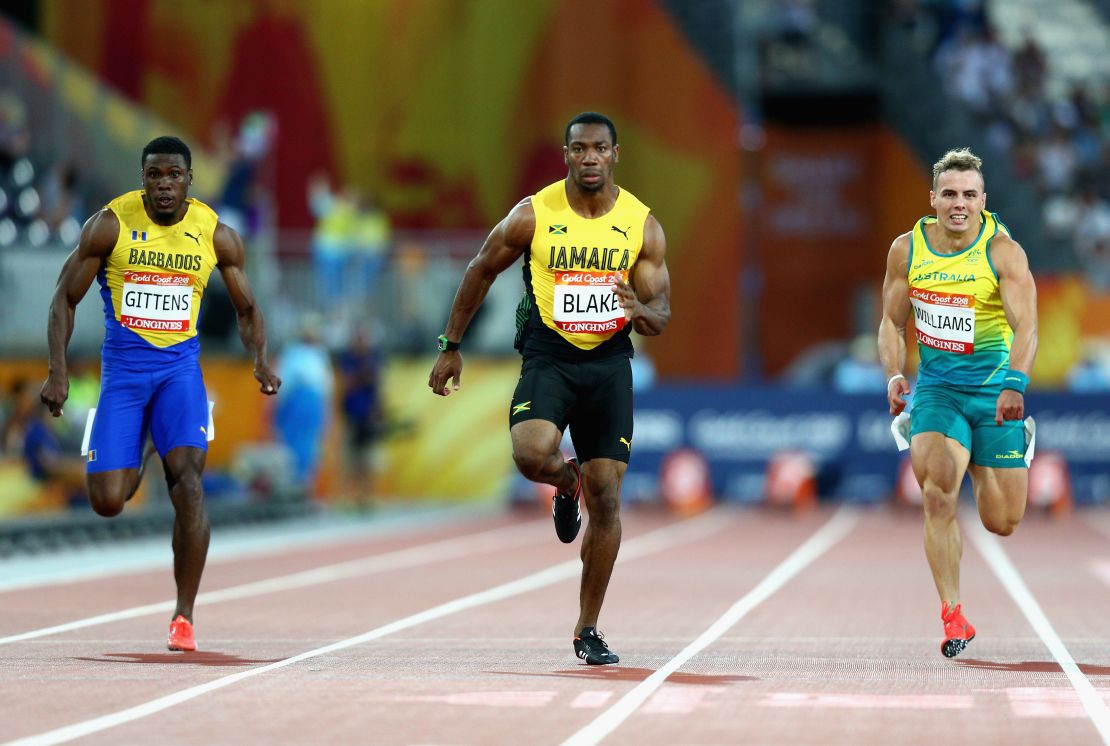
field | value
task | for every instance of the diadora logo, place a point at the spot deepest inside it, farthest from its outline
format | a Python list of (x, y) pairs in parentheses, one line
[(558, 230), (195, 238), (627, 443), (522, 407), (623, 233), (1011, 455), (138, 235)]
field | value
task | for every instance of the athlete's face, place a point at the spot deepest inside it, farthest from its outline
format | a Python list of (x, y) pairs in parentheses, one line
[(590, 155), (166, 182), (959, 198)]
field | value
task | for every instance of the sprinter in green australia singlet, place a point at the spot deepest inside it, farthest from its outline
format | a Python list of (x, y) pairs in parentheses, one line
[(594, 270), (966, 284)]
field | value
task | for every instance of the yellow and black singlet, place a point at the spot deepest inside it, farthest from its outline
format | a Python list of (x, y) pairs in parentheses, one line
[(962, 332), (153, 281), (569, 308)]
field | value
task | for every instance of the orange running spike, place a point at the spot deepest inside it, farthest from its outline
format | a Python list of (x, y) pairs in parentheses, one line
[(181, 635), (957, 631)]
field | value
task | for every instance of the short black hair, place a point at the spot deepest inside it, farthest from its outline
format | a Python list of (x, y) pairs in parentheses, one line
[(591, 117), (168, 145)]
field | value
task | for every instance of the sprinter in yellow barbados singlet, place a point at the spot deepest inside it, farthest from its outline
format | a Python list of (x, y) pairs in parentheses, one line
[(594, 270), (966, 284), (152, 252)]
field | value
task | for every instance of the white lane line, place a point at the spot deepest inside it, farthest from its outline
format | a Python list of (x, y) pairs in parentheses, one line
[(1101, 526), (828, 535), (1100, 568), (132, 557), (991, 549), (656, 541), (483, 542)]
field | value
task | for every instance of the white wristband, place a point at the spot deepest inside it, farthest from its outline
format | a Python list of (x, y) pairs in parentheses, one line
[(894, 378)]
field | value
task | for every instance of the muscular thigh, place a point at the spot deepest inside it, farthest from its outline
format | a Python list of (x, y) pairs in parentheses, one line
[(1000, 491), (601, 420), (545, 391), (121, 420), (179, 410), (939, 460), (940, 409)]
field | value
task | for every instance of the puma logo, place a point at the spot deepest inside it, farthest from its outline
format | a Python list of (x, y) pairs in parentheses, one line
[(627, 444), (623, 233), (190, 235)]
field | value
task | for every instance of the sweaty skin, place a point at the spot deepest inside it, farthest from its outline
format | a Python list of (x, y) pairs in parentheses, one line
[(939, 463), (590, 156), (166, 181)]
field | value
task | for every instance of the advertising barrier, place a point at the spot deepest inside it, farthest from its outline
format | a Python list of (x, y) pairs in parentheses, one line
[(738, 430)]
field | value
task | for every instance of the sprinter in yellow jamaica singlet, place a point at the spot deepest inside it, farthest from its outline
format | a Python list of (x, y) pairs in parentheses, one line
[(152, 252), (966, 284), (593, 262)]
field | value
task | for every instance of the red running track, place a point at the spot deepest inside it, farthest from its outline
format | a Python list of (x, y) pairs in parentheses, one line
[(735, 627)]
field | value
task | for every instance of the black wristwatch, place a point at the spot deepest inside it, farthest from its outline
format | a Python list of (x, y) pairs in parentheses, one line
[(445, 345)]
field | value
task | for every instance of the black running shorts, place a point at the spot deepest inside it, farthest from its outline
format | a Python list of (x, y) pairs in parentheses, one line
[(594, 398)]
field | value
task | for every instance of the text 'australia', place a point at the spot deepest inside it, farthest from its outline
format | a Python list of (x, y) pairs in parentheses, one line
[(588, 257)]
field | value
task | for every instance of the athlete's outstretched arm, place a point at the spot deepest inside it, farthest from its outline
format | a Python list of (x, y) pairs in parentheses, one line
[(97, 240), (506, 243), (647, 301), (892, 328), (230, 259), (1019, 302)]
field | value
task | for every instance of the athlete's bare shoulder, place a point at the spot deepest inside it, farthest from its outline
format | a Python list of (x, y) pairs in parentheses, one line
[(1007, 256), (1004, 244), (228, 246), (898, 256), (520, 224), (99, 234)]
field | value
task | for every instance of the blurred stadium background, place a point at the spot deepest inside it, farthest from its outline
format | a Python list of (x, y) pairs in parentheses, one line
[(364, 148)]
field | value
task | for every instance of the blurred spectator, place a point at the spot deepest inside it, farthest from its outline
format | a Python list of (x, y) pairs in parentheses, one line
[(336, 214), (350, 243), (860, 372), (84, 391), (63, 205), (1091, 372), (1092, 237), (245, 203), (30, 433), (15, 135), (360, 366), (301, 412), (1054, 140), (643, 367), (369, 247)]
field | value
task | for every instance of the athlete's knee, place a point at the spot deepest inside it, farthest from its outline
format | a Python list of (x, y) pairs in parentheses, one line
[(999, 524), (938, 503), (105, 501), (1002, 528), (186, 489), (605, 506), (530, 462)]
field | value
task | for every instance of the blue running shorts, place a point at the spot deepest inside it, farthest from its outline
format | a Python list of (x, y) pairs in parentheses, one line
[(169, 402)]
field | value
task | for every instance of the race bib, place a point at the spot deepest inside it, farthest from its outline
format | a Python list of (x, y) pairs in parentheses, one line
[(944, 321), (584, 303), (155, 301)]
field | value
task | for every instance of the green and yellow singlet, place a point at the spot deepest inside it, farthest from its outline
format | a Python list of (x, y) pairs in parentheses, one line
[(962, 333), (569, 307), (153, 280)]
